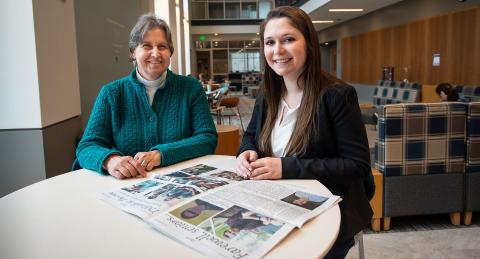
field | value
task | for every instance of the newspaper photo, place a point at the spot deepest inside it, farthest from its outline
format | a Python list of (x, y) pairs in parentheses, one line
[(163, 191), (218, 213)]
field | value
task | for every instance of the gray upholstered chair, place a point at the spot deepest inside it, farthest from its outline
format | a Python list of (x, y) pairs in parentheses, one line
[(472, 175), (468, 93), (388, 92), (420, 150)]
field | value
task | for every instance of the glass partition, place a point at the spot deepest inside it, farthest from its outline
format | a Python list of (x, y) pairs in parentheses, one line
[(215, 10), (236, 44), (226, 56), (230, 9), (220, 61), (264, 6), (249, 10)]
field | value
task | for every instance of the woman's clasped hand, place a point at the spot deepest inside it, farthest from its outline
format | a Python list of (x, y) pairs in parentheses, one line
[(249, 166), (126, 166)]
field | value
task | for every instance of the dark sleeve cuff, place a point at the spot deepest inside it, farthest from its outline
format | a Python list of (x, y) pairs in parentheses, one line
[(290, 169)]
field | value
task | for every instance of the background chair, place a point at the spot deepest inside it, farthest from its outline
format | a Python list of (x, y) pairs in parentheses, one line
[(472, 175), (249, 80), (468, 93), (231, 109), (216, 107), (420, 151), (389, 92)]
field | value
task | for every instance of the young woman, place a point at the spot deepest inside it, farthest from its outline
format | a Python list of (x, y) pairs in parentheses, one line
[(307, 124)]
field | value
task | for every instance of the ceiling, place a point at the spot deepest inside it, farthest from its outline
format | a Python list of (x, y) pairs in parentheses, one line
[(318, 10)]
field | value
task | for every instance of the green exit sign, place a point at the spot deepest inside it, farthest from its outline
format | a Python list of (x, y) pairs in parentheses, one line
[(201, 37)]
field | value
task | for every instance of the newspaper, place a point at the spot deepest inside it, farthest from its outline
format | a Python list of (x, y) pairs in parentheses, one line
[(218, 213)]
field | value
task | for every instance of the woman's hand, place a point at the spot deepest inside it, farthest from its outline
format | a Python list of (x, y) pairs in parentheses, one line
[(244, 168), (123, 167), (148, 160), (266, 168)]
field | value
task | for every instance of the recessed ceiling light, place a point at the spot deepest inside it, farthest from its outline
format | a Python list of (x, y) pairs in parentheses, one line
[(216, 34), (326, 43), (258, 33), (324, 21), (345, 10)]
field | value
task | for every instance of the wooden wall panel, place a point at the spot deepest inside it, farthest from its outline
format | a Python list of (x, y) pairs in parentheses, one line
[(409, 48)]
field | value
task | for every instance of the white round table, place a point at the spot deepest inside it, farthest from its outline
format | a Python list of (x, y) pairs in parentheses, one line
[(63, 217)]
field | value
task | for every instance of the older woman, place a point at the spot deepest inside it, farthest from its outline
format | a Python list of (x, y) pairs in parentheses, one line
[(149, 118)]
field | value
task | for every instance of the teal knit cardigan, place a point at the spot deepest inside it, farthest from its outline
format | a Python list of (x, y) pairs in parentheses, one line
[(178, 123)]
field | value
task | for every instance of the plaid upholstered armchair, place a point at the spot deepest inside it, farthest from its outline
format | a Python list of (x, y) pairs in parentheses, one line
[(472, 181), (389, 92), (420, 151)]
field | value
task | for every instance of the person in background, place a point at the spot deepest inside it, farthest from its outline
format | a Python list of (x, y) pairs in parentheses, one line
[(446, 92), (152, 117), (307, 124), (202, 78)]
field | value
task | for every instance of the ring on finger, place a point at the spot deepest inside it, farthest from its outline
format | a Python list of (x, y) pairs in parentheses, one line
[(144, 163)]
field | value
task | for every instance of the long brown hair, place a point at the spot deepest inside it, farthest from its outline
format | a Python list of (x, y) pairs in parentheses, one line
[(310, 80)]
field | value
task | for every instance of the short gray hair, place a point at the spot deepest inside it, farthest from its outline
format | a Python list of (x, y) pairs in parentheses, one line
[(144, 24)]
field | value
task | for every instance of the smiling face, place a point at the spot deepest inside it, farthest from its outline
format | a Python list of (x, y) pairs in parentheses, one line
[(284, 48), (152, 54), (300, 201)]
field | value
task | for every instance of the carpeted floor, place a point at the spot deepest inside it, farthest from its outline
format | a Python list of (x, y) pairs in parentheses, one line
[(425, 223), (435, 244)]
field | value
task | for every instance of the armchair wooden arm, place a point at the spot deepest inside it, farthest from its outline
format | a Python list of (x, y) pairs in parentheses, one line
[(367, 106), (377, 201)]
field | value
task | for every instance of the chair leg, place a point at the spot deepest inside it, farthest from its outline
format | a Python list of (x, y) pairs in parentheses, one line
[(455, 218), (467, 218), (240, 117), (375, 225), (359, 240), (386, 223)]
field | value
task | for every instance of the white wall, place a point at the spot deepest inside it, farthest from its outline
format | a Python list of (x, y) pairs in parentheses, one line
[(19, 92), (57, 60), (39, 73)]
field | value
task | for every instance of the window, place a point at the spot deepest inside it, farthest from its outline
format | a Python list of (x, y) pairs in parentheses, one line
[(215, 10), (245, 61), (249, 10), (237, 59), (219, 57), (220, 61), (230, 9), (264, 6), (199, 9), (253, 60)]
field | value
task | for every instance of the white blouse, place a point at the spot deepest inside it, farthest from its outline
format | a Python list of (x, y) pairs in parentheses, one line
[(282, 131)]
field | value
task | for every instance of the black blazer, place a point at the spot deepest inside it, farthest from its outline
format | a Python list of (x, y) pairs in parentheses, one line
[(338, 156)]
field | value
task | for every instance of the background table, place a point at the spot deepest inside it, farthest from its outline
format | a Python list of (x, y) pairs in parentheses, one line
[(63, 217)]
